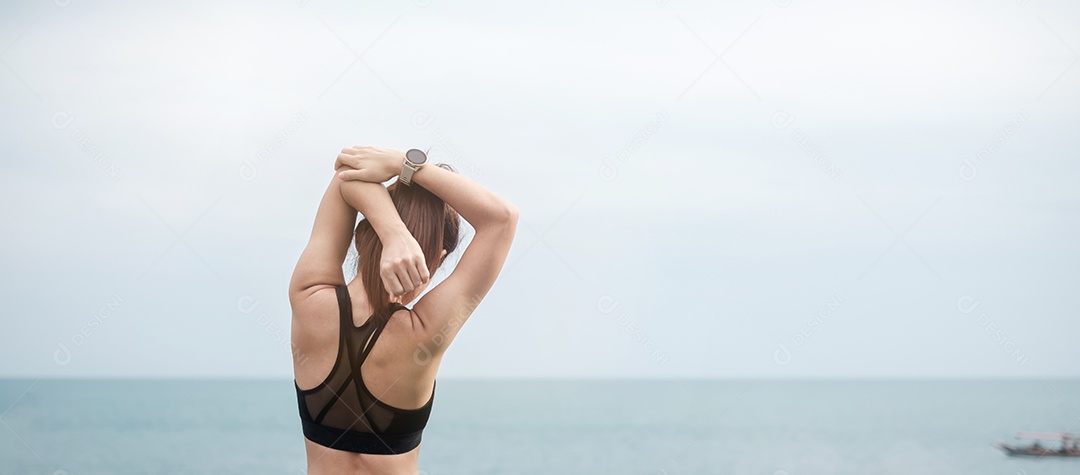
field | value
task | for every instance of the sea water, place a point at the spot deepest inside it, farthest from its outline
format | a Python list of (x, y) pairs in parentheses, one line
[(653, 427)]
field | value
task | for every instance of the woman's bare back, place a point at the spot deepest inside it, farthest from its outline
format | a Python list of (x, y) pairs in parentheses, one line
[(391, 372)]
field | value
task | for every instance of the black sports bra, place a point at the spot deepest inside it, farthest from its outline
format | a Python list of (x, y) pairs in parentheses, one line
[(341, 413)]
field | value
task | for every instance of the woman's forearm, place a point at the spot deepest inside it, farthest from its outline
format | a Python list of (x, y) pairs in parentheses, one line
[(478, 205), (403, 265), (373, 201)]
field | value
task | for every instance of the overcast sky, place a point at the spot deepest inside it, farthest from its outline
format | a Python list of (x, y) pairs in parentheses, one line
[(760, 189)]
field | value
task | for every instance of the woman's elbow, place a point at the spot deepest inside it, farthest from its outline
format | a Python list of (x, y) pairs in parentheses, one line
[(503, 218), (510, 213)]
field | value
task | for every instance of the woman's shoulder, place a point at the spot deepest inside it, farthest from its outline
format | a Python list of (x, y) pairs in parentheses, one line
[(404, 326)]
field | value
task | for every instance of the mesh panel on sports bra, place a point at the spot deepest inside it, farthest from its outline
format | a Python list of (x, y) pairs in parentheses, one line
[(341, 413)]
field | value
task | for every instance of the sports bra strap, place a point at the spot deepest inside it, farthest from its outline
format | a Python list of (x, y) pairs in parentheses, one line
[(380, 325), (344, 308)]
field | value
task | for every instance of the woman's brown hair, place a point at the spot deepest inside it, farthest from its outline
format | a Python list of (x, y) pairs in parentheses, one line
[(433, 223)]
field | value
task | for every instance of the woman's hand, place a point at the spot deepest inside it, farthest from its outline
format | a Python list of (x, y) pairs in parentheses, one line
[(370, 164), (403, 267)]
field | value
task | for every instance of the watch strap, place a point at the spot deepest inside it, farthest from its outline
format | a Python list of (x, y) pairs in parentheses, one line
[(407, 171)]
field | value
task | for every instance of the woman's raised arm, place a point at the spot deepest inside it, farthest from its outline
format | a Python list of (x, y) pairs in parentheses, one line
[(402, 264), (319, 267), (443, 310)]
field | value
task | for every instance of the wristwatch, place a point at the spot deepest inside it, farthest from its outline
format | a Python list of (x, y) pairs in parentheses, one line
[(414, 160)]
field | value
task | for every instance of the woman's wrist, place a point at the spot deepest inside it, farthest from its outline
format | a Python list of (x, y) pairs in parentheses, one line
[(394, 161), (422, 175), (393, 231)]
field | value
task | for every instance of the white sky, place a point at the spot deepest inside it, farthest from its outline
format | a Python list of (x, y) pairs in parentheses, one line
[(697, 182)]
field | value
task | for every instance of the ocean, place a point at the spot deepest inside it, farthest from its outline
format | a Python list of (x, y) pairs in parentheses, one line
[(648, 427)]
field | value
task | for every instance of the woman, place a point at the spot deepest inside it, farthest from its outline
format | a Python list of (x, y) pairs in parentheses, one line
[(364, 363)]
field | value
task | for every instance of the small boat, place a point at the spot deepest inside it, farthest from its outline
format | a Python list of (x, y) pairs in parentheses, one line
[(1070, 445)]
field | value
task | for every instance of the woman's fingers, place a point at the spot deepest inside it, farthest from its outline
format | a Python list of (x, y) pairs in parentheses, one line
[(344, 160), (353, 157), (414, 274), (404, 278), (400, 280), (422, 271), (407, 282), (393, 286), (402, 266), (348, 175)]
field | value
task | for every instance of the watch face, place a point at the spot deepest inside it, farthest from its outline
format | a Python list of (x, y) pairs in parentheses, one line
[(415, 156)]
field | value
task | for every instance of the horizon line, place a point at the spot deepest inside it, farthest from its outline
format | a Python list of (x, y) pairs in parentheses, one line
[(958, 378)]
